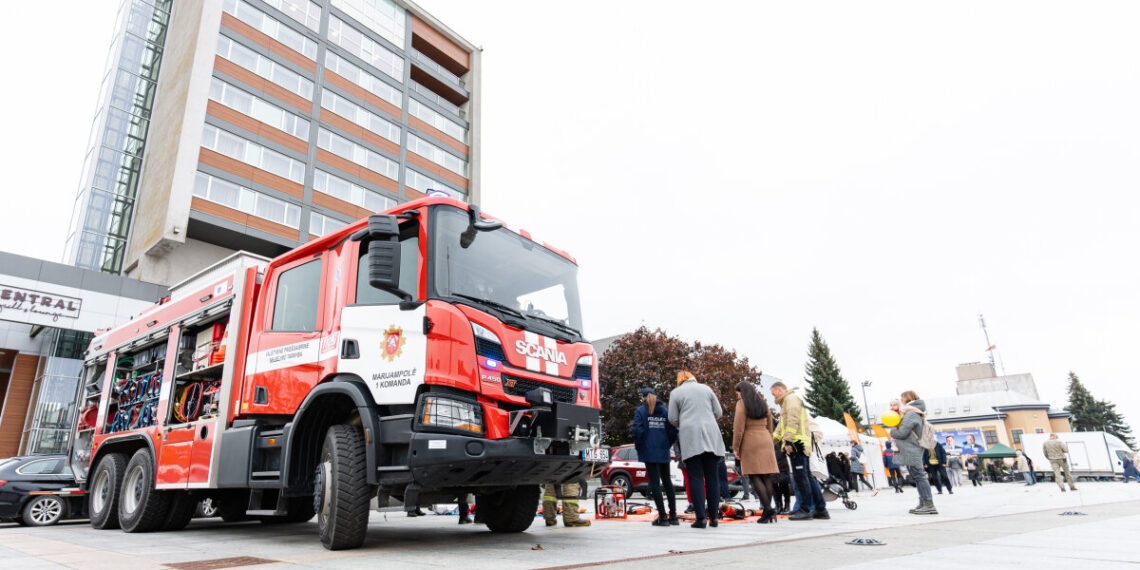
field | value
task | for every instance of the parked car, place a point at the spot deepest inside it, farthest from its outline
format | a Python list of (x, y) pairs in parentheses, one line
[(39, 490), (627, 472)]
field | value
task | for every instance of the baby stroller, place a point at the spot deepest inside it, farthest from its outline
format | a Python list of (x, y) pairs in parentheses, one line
[(835, 489)]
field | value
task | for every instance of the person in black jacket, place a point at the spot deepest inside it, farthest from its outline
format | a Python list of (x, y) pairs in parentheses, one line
[(936, 468), (782, 488), (653, 436)]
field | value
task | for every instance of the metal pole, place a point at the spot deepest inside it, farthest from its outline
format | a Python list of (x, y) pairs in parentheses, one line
[(865, 406)]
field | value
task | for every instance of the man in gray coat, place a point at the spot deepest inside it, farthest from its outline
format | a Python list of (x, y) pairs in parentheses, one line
[(694, 410), (909, 454)]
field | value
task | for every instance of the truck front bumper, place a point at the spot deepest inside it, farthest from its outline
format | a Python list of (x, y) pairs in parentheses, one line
[(446, 460)]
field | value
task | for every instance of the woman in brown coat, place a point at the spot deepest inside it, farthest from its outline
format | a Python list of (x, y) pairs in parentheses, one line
[(752, 439)]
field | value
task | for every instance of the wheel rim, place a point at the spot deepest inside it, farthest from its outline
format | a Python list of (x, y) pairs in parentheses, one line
[(132, 490), (323, 492), (100, 495), (209, 508), (624, 484), (46, 511)]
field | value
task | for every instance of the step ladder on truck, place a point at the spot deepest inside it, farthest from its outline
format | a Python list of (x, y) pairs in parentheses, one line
[(417, 356)]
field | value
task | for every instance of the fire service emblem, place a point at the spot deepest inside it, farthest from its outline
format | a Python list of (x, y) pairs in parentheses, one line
[(394, 341)]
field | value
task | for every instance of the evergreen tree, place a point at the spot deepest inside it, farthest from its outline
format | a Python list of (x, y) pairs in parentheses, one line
[(1086, 415), (1090, 414), (828, 394)]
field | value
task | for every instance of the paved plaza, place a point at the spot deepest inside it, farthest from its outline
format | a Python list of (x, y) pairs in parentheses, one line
[(996, 525)]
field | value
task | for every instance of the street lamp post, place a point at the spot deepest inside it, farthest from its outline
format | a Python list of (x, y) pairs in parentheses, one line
[(865, 406)]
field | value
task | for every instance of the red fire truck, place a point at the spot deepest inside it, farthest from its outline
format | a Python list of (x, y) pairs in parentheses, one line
[(417, 356)]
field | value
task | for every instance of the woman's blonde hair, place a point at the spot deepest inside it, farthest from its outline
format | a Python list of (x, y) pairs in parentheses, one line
[(651, 401), (909, 396), (684, 376)]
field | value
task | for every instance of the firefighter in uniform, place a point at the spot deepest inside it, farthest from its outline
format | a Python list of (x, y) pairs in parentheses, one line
[(569, 494)]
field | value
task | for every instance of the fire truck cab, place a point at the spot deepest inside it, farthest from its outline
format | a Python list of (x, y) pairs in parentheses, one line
[(417, 356)]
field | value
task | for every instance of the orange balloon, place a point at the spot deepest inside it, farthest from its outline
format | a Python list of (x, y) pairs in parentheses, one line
[(890, 419)]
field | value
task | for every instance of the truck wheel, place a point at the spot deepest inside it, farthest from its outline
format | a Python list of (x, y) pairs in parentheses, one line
[(182, 507), (341, 491), (45, 510), (207, 508), (510, 511), (103, 499), (141, 507)]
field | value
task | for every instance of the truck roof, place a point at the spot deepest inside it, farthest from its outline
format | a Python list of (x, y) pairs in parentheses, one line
[(323, 243)]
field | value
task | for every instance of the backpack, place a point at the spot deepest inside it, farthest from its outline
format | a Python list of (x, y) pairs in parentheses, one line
[(926, 438)]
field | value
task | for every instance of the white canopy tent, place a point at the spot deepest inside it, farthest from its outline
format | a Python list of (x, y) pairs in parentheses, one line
[(837, 438)]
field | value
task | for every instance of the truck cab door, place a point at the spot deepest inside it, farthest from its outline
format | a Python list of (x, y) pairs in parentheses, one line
[(390, 344), (284, 364)]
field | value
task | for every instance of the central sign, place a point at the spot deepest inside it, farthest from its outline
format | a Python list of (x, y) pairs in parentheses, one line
[(37, 307)]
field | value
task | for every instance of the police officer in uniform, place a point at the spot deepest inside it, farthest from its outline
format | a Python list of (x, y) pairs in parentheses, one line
[(569, 494)]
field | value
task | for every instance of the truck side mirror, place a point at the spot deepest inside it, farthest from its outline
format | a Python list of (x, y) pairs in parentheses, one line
[(384, 255)]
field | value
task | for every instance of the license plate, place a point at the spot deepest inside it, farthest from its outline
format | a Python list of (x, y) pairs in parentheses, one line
[(596, 455)]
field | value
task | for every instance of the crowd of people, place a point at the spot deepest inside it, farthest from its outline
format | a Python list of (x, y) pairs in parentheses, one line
[(773, 454)]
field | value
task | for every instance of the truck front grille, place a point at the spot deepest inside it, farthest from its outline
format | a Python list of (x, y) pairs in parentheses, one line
[(519, 386)]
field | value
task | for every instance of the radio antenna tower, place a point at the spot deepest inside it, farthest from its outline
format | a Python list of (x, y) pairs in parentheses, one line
[(990, 347)]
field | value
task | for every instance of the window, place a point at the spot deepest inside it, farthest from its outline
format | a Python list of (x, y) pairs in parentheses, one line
[(359, 154), (295, 306), (356, 43), (1016, 434), (351, 193), (361, 116), (42, 467), (258, 108), (245, 200), (253, 154), (363, 79), (384, 17), (991, 437), (437, 155), (267, 25), (265, 67), (1039, 430), (320, 224), (437, 120), (965, 409), (409, 269), (951, 410), (303, 11), (627, 454), (434, 98)]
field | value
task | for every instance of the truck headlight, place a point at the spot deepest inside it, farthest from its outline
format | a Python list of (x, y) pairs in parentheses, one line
[(449, 414), (488, 345)]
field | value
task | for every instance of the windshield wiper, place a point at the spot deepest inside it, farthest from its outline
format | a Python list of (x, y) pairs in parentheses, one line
[(490, 303), (559, 324)]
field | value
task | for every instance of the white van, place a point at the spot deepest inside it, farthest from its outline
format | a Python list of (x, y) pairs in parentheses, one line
[(1091, 453)]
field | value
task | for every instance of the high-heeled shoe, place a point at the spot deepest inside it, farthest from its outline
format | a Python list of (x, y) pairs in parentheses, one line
[(767, 517)]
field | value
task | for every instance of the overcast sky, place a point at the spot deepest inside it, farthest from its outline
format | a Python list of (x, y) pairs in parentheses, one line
[(742, 172)]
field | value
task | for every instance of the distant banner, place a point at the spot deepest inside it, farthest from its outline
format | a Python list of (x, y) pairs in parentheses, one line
[(962, 442)]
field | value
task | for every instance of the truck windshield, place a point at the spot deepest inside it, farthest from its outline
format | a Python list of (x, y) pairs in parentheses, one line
[(509, 273)]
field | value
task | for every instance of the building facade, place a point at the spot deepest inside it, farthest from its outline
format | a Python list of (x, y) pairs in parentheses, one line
[(47, 314), (258, 125)]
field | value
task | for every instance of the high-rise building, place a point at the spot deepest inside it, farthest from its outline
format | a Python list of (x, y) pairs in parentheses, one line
[(261, 124)]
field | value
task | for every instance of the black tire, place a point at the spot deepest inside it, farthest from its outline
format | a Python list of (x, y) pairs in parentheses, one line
[(45, 510), (141, 507), (622, 480), (103, 497), (341, 489), (300, 509), (510, 511), (182, 509), (851, 505)]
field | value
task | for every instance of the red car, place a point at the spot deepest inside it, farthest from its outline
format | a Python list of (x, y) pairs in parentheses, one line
[(627, 472)]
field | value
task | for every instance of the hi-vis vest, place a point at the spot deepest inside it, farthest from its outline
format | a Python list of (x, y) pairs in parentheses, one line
[(801, 433)]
